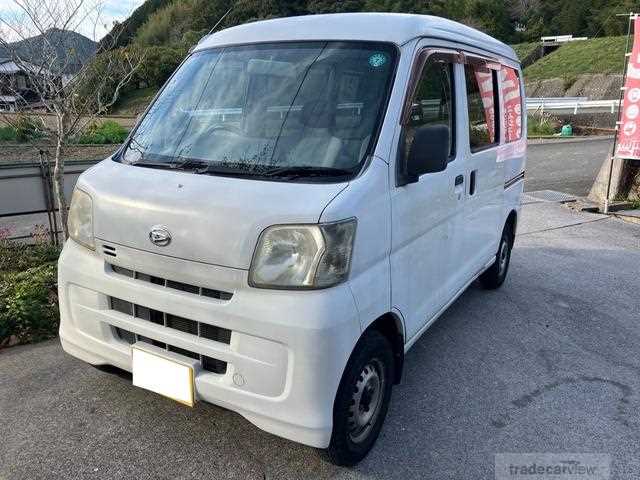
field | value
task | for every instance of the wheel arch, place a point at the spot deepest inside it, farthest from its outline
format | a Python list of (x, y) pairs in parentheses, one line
[(391, 327), (512, 223)]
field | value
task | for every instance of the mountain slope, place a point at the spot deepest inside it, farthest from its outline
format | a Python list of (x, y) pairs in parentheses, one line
[(68, 50)]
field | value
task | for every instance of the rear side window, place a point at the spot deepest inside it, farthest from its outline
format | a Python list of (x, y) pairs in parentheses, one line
[(432, 103), (482, 101), (512, 101)]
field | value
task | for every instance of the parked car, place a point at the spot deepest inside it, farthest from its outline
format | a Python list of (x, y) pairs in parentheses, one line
[(301, 201)]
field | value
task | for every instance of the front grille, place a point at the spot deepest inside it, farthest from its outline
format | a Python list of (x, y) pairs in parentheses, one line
[(183, 287), (210, 364), (199, 329)]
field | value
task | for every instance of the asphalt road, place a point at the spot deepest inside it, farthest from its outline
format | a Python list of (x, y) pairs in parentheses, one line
[(565, 166), (548, 363)]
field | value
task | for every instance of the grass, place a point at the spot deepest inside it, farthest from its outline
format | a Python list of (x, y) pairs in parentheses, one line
[(541, 127), (599, 55), (105, 133), (28, 291), (8, 134), (23, 129), (134, 102), (523, 50)]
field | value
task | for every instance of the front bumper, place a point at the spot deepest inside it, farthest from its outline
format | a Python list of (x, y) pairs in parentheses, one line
[(287, 349)]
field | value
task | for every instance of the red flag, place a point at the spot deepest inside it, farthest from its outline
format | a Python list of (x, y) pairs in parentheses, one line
[(512, 99), (629, 127), (484, 77)]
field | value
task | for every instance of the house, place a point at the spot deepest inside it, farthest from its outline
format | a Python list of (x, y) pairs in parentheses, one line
[(16, 88), (57, 53)]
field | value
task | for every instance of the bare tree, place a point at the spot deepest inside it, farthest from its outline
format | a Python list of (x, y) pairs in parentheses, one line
[(61, 91)]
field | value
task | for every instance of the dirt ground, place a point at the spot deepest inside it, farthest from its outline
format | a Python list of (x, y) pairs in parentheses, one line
[(29, 152)]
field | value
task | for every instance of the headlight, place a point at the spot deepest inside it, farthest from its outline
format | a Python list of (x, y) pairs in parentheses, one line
[(303, 256), (80, 221)]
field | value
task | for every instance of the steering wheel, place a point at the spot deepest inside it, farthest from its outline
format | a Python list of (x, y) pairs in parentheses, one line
[(225, 127)]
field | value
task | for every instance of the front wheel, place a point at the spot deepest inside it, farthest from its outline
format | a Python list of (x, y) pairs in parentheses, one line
[(362, 400), (496, 274)]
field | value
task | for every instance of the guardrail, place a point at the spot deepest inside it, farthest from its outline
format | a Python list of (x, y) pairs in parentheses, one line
[(558, 105), (571, 105)]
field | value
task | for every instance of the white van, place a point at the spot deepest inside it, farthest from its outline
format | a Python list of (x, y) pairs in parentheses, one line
[(300, 202)]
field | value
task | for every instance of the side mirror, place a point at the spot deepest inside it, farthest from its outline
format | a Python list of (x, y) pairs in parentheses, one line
[(428, 153)]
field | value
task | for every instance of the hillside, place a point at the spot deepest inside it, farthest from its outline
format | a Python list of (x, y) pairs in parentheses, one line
[(168, 22), (596, 56), (123, 33)]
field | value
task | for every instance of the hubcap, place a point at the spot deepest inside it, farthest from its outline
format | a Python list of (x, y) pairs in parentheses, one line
[(503, 257), (366, 401)]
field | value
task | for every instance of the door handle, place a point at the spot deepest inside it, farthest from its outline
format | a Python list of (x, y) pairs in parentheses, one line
[(459, 180), (472, 182)]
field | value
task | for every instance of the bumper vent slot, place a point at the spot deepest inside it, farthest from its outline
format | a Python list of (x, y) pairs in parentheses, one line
[(183, 287), (109, 250), (203, 330), (210, 364)]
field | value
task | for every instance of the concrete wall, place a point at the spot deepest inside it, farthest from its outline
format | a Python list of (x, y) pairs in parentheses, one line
[(50, 119), (22, 188)]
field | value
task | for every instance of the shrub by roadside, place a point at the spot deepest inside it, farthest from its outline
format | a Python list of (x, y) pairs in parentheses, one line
[(23, 129), (542, 126), (108, 132), (28, 293), (28, 305)]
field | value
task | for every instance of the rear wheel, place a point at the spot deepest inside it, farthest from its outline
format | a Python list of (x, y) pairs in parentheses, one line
[(496, 274), (362, 400)]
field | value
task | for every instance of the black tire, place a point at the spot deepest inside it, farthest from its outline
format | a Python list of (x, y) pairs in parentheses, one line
[(358, 412), (496, 274)]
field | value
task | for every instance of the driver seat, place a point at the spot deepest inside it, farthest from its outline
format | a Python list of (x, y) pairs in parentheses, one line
[(317, 142)]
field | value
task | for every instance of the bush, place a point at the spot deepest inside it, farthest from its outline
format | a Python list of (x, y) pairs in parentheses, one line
[(8, 134), (108, 132), (97, 87), (541, 126), (28, 305), (23, 129), (27, 129), (18, 258), (159, 63), (28, 295)]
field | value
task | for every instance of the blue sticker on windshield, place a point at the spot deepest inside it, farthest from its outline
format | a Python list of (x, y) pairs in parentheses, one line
[(377, 60)]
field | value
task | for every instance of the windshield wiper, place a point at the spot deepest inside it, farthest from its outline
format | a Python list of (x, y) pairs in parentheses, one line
[(305, 171), (164, 165), (197, 165), (202, 167), (213, 169), (189, 163)]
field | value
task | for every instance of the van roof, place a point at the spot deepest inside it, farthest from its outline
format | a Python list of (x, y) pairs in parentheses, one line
[(398, 28)]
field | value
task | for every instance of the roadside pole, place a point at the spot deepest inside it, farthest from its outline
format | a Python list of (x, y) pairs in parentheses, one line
[(627, 54)]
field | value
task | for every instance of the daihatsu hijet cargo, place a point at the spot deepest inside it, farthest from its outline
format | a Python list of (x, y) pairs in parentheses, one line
[(304, 197)]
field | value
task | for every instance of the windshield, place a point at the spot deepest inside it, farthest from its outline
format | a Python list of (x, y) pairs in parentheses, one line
[(272, 109)]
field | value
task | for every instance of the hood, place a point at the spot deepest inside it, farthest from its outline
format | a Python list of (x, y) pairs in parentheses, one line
[(211, 219)]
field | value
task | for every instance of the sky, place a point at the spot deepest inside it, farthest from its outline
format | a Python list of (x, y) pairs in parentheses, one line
[(95, 26)]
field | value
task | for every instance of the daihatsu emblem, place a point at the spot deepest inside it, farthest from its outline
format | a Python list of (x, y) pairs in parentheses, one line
[(160, 235)]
